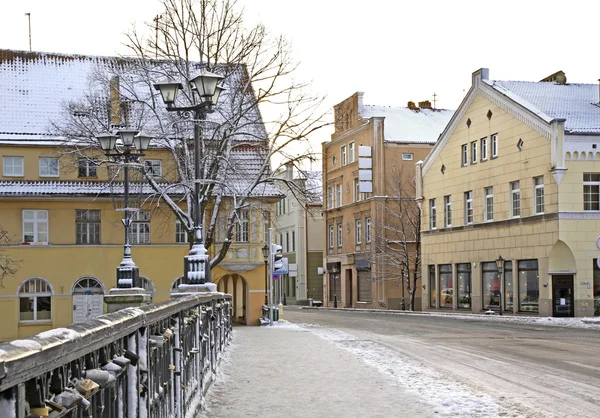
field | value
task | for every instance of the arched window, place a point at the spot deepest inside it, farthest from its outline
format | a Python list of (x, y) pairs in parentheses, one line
[(148, 286), (176, 283), (35, 300), (88, 286), (88, 299)]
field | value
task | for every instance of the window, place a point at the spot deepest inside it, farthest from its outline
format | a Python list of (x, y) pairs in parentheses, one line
[(538, 184), (464, 159), (489, 204), (491, 285), (266, 225), (48, 167), (339, 235), (407, 156), (338, 194), (432, 287), (432, 214), (473, 152), (591, 192), (12, 166), (330, 201), (139, 232), (280, 240), (484, 149), (529, 290), (181, 235), (87, 226), (356, 190), (153, 167), (508, 297), (463, 282), (343, 156), (494, 145), (35, 226), (447, 211), (368, 230), (87, 168), (35, 300), (469, 207), (330, 236), (287, 242), (357, 231), (242, 227), (293, 240), (446, 290), (350, 152), (515, 199)]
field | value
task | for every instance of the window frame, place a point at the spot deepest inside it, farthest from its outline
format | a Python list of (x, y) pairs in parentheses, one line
[(368, 230), (473, 152), (242, 226), (469, 207), (343, 155), (46, 292), (432, 214), (331, 237), (338, 194), (515, 199), (339, 234), (358, 231), (356, 190), (591, 180), (181, 235), (464, 156), (13, 159), (83, 218), (494, 145), (55, 175), (488, 193), (89, 166), (483, 149), (541, 197), (448, 211), (351, 152), (149, 167), (330, 197), (139, 220), (409, 156), (35, 229)]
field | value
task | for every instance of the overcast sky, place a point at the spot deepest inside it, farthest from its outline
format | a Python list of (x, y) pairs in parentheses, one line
[(392, 50)]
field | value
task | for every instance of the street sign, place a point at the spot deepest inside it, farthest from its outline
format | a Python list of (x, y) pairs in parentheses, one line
[(283, 269), (276, 277)]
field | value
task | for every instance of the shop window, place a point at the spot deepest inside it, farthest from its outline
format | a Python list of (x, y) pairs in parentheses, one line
[(596, 288), (446, 289), (463, 283), (508, 287), (529, 290), (490, 285), (432, 287)]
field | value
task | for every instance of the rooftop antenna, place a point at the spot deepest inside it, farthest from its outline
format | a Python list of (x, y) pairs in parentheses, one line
[(434, 100), (156, 19), (29, 19)]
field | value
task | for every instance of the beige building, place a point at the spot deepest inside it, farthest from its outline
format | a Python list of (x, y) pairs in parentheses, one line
[(373, 150), (515, 177)]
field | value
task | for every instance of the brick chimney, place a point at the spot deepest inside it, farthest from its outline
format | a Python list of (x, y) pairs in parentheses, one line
[(425, 104), (412, 106)]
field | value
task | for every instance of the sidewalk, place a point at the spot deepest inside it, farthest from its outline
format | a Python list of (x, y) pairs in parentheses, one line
[(287, 371)]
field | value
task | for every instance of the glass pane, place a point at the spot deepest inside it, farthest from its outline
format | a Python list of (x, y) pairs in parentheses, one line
[(43, 307), (529, 291), (26, 308), (28, 214), (508, 286), (446, 290), (42, 214), (432, 287), (491, 285), (464, 285)]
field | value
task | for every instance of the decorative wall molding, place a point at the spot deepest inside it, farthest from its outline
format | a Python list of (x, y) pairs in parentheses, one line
[(579, 215), (495, 224)]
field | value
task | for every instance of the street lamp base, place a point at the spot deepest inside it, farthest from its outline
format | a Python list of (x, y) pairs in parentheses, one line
[(128, 276)]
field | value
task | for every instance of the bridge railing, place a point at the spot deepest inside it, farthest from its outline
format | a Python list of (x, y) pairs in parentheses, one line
[(152, 361)]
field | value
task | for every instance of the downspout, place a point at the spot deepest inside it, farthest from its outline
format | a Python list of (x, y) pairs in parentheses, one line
[(306, 250)]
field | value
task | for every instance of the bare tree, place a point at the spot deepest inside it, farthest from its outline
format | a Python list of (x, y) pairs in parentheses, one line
[(8, 265), (238, 145), (397, 235)]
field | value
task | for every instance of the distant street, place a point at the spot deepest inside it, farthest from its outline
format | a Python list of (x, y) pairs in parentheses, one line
[(526, 369)]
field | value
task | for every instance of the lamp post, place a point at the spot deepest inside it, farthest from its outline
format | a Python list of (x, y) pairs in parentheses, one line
[(265, 251), (127, 273), (500, 265), (196, 264)]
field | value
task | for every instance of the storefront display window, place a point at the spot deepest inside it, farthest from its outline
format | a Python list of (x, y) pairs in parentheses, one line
[(446, 290), (432, 287), (596, 289), (463, 272), (491, 285), (529, 290)]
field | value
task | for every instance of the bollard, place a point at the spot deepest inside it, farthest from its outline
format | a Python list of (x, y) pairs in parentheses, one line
[(280, 309)]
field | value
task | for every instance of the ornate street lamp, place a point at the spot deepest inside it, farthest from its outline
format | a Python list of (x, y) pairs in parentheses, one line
[(196, 264), (265, 251), (127, 273), (500, 265)]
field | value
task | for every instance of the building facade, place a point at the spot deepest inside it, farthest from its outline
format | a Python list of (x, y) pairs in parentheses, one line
[(299, 224), (57, 206), (514, 179), (364, 225)]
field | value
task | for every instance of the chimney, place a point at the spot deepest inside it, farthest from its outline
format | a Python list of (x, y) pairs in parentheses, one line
[(412, 106), (558, 77), (425, 104)]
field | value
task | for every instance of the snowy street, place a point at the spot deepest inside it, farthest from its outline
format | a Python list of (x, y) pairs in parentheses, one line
[(352, 363)]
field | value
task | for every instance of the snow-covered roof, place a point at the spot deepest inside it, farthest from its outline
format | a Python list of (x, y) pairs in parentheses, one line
[(405, 125), (577, 103)]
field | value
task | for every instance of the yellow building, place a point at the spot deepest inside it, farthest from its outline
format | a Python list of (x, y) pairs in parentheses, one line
[(375, 146), (59, 211), (515, 177)]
